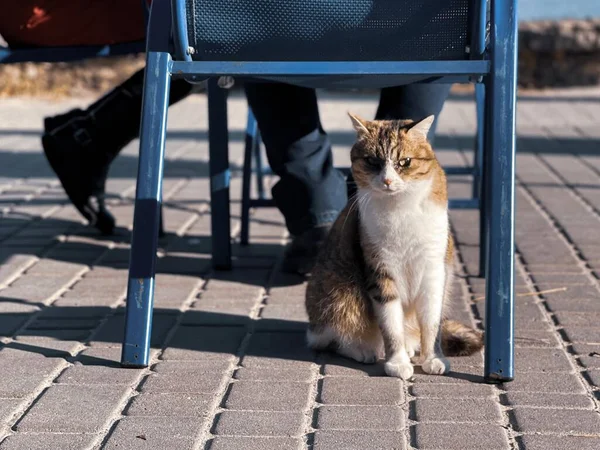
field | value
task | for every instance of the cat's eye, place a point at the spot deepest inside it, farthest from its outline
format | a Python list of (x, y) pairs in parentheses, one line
[(404, 163), (372, 161)]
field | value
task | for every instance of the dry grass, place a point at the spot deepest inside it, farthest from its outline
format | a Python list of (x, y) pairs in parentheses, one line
[(55, 80)]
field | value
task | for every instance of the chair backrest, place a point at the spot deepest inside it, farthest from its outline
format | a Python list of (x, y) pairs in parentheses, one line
[(328, 30)]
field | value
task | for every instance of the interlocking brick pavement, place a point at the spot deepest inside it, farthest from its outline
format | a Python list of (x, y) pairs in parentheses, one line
[(229, 366)]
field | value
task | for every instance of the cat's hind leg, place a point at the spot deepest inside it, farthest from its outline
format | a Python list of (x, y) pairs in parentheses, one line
[(325, 338), (320, 338), (363, 352)]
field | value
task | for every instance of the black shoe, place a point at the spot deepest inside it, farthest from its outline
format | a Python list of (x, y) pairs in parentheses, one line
[(81, 167), (300, 256), (81, 145)]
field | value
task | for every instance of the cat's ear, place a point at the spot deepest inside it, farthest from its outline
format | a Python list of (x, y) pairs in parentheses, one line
[(422, 128), (360, 125)]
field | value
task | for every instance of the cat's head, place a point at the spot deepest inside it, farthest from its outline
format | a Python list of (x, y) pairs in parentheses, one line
[(392, 156)]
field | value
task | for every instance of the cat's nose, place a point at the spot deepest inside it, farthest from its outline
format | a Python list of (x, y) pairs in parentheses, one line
[(387, 182)]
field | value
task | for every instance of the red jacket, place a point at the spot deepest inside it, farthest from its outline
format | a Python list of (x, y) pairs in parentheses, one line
[(50, 23)]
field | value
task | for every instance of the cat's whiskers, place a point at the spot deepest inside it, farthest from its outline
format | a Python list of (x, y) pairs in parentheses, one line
[(356, 200)]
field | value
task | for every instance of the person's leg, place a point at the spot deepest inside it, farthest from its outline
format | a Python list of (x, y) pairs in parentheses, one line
[(411, 101), (310, 192), (414, 102), (81, 144)]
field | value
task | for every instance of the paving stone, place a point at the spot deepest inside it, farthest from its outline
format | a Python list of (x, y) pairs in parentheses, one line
[(572, 292), (259, 423), (268, 396), (563, 279), (9, 324), (15, 306), (546, 382), (160, 383), (535, 339), (551, 400), (585, 349), (556, 420), (362, 391), (541, 360), (22, 376), (460, 375), (210, 366), (572, 304), (461, 391), (285, 313), (94, 374), (46, 346), (356, 439), (582, 334), (592, 361), (299, 373), (255, 443), (554, 442), (360, 418), (176, 405), (471, 436), (53, 267), (8, 407), (247, 297), (204, 343), (594, 377), (225, 315), (46, 441), (455, 410), (338, 366), (74, 408), (279, 345), (100, 304), (80, 311), (176, 433), (63, 324)]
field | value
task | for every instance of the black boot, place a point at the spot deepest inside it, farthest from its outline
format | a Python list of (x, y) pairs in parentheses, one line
[(81, 145)]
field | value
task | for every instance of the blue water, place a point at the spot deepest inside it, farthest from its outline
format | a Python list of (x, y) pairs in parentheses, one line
[(558, 9)]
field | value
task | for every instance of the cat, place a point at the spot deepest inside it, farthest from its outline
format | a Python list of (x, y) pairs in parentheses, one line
[(381, 284)]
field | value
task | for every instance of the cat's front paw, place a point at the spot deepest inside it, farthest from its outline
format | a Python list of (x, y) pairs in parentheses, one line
[(436, 366), (403, 370)]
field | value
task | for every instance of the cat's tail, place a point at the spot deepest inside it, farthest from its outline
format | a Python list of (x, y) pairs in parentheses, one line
[(459, 339)]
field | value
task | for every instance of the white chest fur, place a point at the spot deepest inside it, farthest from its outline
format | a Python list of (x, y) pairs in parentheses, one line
[(410, 237)]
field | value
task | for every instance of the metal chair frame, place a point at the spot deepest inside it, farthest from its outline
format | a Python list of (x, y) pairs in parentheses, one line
[(168, 55)]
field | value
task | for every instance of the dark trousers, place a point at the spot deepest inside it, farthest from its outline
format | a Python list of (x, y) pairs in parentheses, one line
[(310, 191)]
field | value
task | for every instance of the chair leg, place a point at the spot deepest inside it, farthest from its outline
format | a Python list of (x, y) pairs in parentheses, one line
[(146, 221), (219, 175), (482, 166), (249, 150), (479, 144), (258, 165), (499, 333)]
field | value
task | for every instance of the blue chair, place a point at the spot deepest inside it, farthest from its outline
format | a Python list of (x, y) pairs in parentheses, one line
[(320, 43)]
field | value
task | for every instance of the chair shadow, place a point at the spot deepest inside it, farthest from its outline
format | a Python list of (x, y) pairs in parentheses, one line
[(200, 335)]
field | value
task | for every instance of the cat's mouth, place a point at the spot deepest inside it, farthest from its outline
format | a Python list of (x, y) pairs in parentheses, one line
[(386, 191)]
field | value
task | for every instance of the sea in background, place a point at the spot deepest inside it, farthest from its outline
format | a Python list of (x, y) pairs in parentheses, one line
[(558, 9)]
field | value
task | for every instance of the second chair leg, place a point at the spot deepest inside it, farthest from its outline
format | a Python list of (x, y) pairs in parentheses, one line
[(483, 148), (249, 150), (146, 220), (219, 175), (499, 316)]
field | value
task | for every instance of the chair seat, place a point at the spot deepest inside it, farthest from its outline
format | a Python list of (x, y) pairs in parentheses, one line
[(328, 30)]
